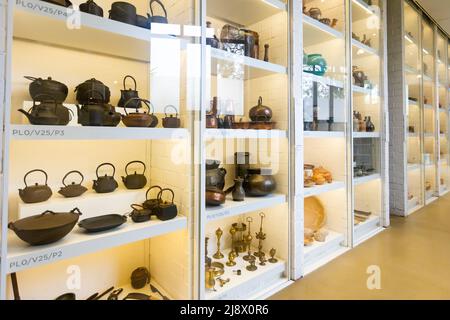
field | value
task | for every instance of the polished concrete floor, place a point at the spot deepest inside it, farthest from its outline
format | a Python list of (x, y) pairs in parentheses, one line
[(413, 256)]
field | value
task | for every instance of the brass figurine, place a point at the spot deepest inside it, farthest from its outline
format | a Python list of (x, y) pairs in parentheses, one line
[(252, 267), (248, 241), (223, 282), (231, 258), (218, 255), (261, 236), (262, 260), (272, 253)]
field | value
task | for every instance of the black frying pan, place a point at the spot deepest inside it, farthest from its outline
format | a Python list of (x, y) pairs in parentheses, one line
[(102, 223)]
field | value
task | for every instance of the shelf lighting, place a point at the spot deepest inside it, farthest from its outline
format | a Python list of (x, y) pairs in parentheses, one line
[(362, 6), (409, 39), (270, 4), (425, 51)]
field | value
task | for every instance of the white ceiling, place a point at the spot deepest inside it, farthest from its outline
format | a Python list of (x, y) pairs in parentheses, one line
[(439, 10)]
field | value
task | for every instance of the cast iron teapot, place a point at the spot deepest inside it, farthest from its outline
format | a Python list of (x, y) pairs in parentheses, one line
[(260, 112), (36, 193), (140, 214), (215, 176), (91, 7), (136, 180), (87, 92), (98, 114), (129, 94), (151, 204), (158, 19), (72, 190), (166, 210), (48, 112), (171, 121), (40, 89), (138, 119), (105, 184)]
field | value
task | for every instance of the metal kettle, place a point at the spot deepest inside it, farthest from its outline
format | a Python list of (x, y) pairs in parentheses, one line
[(105, 184)]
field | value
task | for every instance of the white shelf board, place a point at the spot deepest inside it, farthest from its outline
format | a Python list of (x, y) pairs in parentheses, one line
[(23, 256), (315, 32), (363, 180), (413, 167), (248, 283), (246, 12), (413, 135), (367, 228), (411, 69), (410, 41), (49, 25), (232, 208), (430, 166), (366, 50), (371, 135), (361, 10), (413, 103), (323, 134), (323, 80), (428, 107), (427, 78), (328, 187), (32, 132), (318, 250), (244, 134), (431, 200), (429, 135), (252, 68), (363, 91), (442, 110)]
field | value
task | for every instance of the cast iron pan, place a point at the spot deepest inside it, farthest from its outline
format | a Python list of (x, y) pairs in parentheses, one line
[(102, 223)]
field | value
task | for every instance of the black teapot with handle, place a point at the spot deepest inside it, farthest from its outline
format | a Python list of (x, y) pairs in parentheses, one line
[(171, 121), (105, 184), (152, 203), (166, 210), (136, 180), (37, 192), (40, 89), (129, 94), (92, 8), (155, 18), (48, 112), (98, 113), (72, 190)]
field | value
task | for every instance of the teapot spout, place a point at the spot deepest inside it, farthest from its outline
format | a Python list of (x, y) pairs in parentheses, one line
[(27, 114)]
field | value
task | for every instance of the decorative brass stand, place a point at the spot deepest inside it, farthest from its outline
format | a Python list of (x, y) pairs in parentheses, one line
[(218, 255), (261, 236), (207, 259), (252, 266), (262, 260), (239, 244), (231, 257), (272, 253), (248, 242), (233, 245)]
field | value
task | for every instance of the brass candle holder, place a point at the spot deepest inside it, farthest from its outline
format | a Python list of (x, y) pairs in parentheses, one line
[(231, 257), (248, 241), (262, 260), (261, 236), (218, 255), (233, 233), (252, 266), (239, 244)]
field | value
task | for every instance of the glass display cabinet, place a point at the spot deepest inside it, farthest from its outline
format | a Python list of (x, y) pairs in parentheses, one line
[(430, 134), (73, 122), (245, 216), (326, 131), (442, 96), (369, 111)]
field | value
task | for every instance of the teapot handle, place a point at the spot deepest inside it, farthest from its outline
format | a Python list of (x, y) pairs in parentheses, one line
[(162, 191), (125, 82), (69, 173), (106, 164), (260, 101), (149, 189), (162, 6), (32, 171), (137, 161), (146, 102), (31, 78), (76, 210), (173, 107)]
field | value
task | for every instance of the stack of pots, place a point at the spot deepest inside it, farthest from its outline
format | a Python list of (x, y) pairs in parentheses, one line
[(126, 12), (48, 96), (215, 183), (95, 110)]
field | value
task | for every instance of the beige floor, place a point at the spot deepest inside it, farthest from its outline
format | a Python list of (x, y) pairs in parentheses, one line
[(413, 254)]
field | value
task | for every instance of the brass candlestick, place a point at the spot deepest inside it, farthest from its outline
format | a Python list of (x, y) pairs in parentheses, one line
[(231, 257), (239, 243), (207, 259), (233, 246), (248, 242), (218, 255), (262, 260), (272, 256), (261, 236)]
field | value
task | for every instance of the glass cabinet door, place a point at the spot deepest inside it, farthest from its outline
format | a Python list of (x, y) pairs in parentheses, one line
[(368, 114), (414, 111), (325, 111), (246, 149), (430, 152), (442, 90)]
